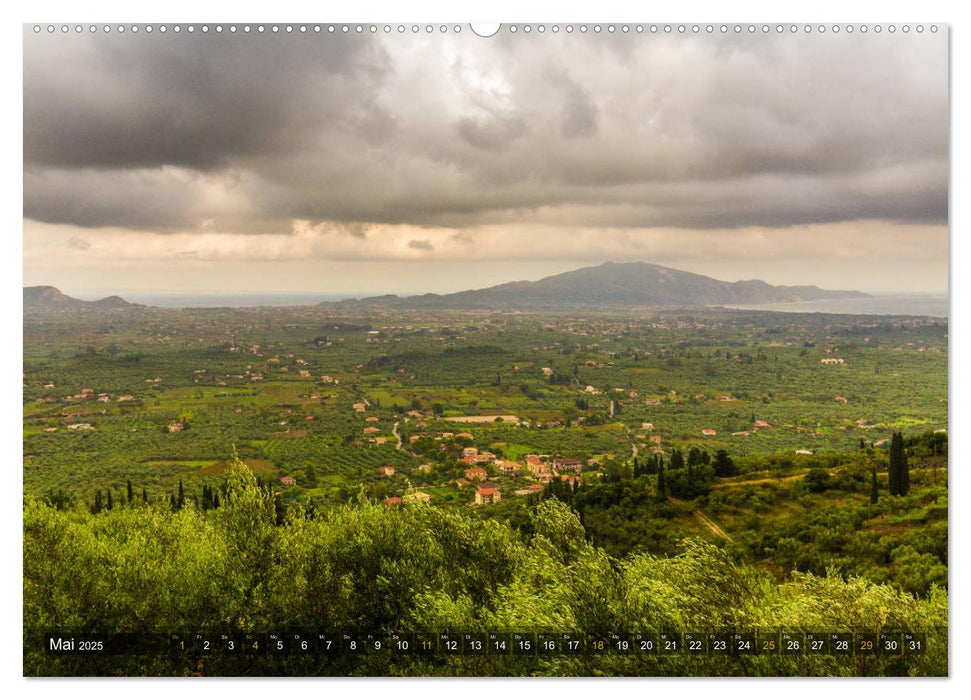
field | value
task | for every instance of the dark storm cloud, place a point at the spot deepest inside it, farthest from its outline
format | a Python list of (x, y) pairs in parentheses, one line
[(246, 134), (204, 102)]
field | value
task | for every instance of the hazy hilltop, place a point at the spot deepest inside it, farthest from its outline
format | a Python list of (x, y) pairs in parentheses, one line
[(606, 287), (46, 299), (612, 286)]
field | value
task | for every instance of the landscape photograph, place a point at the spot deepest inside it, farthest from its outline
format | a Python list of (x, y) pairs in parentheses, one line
[(573, 350)]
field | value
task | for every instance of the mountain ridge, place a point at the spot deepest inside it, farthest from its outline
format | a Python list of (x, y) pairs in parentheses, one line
[(611, 285), (608, 286), (45, 298)]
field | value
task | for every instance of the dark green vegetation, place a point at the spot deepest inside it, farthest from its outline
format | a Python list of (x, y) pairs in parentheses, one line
[(767, 449), (363, 567)]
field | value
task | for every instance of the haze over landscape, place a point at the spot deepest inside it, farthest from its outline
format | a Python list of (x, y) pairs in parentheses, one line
[(364, 165)]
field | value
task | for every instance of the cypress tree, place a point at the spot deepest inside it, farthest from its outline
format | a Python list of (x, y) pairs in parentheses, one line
[(144, 495), (904, 469), (97, 502), (677, 459), (662, 488), (181, 502), (131, 493), (110, 504), (893, 471), (874, 494)]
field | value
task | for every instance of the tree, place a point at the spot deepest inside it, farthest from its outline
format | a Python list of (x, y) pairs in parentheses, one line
[(96, 508), (817, 480), (893, 473), (899, 470), (662, 489), (677, 459), (904, 469), (144, 495), (874, 494), (131, 493), (180, 503), (724, 465)]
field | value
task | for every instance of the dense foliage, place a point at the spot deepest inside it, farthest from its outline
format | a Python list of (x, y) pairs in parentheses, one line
[(361, 566)]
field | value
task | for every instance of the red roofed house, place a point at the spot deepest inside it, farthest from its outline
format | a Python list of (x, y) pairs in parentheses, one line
[(391, 502), (509, 468), (710, 432), (487, 496), (476, 474), (288, 481), (536, 466)]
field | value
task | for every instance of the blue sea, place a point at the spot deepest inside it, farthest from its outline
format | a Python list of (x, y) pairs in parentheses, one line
[(880, 305)]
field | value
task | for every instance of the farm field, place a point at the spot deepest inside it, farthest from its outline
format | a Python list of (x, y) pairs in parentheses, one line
[(765, 437)]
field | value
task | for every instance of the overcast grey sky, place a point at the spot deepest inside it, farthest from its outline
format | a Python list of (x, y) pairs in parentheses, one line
[(334, 164)]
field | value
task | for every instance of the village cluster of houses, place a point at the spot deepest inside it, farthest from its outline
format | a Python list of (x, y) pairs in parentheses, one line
[(542, 468)]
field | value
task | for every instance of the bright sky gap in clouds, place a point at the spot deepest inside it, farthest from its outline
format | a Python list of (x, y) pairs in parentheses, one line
[(329, 163)]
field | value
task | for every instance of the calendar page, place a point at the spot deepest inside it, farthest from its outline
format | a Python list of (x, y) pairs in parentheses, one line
[(422, 349)]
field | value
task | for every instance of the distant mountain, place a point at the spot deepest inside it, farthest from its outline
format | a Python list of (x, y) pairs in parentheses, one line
[(612, 286), (46, 299)]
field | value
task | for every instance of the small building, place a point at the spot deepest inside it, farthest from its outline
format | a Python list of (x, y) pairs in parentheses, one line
[(487, 496), (386, 470), (507, 468), (176, 427), (476, 474), (709, 432), (417, 497), (392, 501), (288, 480), (568, 465)]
